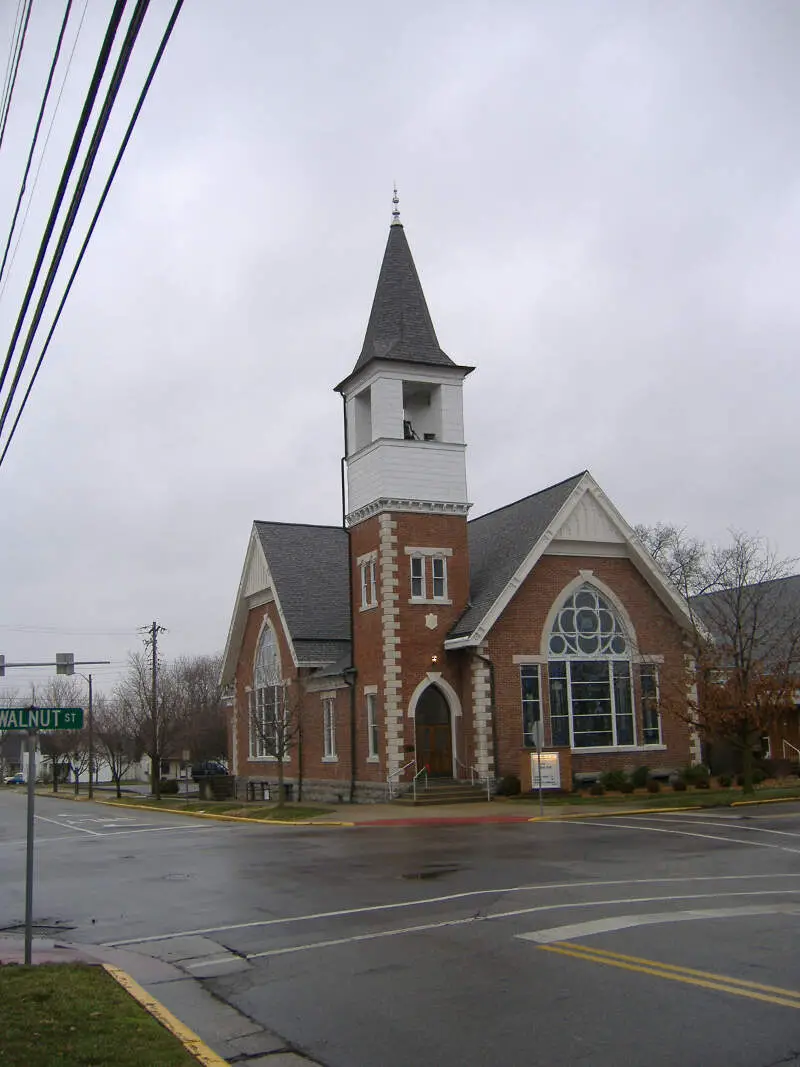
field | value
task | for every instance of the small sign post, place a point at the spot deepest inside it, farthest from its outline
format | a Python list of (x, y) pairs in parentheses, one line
[(32, 719), (538, 740)]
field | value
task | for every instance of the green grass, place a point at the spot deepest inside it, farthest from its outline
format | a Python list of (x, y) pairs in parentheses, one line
[(267, 812), (668, 798), (79, 1016)]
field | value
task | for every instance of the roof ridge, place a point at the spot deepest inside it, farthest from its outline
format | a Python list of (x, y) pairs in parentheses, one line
[(529, 496), (306, 525)]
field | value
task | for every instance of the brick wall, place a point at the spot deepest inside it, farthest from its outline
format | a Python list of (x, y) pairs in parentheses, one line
[(519, 632)]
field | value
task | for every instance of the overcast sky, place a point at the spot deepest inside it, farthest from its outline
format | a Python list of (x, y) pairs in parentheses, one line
[(603, 202)]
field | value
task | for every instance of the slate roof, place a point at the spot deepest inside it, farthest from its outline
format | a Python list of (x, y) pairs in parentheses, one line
[(771, 610), (400, 326), (500, 541), (309, 568)]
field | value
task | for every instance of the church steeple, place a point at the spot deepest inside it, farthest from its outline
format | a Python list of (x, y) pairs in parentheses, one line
[(400, 327), (404, 442)]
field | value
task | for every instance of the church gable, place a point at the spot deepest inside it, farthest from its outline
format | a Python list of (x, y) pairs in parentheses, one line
[(587, 526)]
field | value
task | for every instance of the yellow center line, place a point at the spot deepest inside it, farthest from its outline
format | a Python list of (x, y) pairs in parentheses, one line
[(591, 950), (656, 969)]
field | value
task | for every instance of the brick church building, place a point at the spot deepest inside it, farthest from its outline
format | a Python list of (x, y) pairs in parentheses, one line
[(415, 641)]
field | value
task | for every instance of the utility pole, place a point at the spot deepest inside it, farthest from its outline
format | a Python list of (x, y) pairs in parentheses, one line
[(151, 639)]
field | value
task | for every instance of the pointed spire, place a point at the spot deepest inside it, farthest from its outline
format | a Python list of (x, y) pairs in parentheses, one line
[(400, 326)]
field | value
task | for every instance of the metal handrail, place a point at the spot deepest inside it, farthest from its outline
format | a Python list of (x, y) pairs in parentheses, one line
[(475, 775), (787, 744), (420, 772), (396, 774)]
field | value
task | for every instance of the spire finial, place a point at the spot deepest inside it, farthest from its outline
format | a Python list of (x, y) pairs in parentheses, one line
[(396, 210)]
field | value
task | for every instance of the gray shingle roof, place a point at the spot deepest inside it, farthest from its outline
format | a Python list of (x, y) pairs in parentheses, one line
[(309, 568), (400, 326), (500, 541), (768, 611)]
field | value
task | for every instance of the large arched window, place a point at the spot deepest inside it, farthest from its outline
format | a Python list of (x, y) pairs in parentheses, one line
[(589, 662), (266, 699)]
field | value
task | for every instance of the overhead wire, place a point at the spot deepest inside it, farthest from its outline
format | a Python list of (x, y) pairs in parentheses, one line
[(83, 122), (5, 109), (35, 138), (118, 74), (139, 104), (12, 47), (44, 148)]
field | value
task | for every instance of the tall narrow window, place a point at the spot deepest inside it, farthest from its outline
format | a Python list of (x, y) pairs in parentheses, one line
[(439, 577), (267, 701), (559, 704), (531, 705), (369, 596), (329, 728), (372, 725), (418, 577), (651, 717)]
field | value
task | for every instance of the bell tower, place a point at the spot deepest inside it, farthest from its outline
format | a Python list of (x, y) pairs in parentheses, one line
[(406, 510)]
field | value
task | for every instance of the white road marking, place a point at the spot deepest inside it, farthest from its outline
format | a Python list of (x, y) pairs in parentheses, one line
[(625, 922), (211, 961), (68, 826), (686, 833), (469, 919), (467, 894), (724, 825)]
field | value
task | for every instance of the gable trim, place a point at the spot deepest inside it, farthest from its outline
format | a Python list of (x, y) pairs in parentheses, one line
[(637, 553), (242, 607)]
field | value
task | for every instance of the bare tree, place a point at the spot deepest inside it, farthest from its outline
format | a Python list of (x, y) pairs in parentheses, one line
[(64, 749), (743, 666), (275, 726), (117, 737), (193, 682), (154, 720)]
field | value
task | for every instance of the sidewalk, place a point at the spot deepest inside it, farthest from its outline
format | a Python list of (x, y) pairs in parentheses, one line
[(231, 1035)]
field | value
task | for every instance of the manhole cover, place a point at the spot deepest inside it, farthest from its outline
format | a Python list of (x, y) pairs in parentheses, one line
[(176, 877)]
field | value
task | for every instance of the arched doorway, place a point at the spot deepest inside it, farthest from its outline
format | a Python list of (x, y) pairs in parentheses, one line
[(434, 733)]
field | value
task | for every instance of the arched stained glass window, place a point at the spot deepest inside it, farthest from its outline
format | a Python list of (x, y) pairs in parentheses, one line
[(591, 699), (267, 719), (587, 625)]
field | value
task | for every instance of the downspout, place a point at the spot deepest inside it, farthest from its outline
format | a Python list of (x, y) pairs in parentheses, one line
[(350, 673), (490, 665)]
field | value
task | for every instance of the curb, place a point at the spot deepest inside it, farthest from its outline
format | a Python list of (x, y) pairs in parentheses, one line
[(605, 814), (188, 1038), (221, 817)]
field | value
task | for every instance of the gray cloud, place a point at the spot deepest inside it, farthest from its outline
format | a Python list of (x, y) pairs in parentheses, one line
[(603, 203)]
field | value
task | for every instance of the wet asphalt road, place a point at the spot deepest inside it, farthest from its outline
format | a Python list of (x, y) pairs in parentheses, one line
[(653, 940)]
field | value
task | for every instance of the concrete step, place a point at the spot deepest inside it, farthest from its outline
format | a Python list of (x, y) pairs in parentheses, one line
[(442, 794)]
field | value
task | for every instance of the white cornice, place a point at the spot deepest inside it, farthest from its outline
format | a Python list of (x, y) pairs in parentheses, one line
[(428, 507)]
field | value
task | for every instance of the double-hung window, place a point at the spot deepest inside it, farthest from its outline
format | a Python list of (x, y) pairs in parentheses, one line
[(651, 716), (369, 596), (372, 725), (329, 728), (429, 576), (531, 704)]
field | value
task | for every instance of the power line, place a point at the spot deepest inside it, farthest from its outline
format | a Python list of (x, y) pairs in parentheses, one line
[(83, 122), (139, 104), (5, 110), (118, 74), (44, 148), (36, 133), (13, 46)]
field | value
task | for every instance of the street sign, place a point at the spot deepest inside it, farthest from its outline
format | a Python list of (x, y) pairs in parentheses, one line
[(41, 718)]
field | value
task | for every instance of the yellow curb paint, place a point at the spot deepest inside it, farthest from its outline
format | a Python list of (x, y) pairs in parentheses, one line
[(770, 800), (221, 818), (681, 970), (188, 1038), (605, 814), (658, 971)]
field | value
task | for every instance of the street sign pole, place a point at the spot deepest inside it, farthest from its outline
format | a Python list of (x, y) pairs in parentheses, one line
[(29, 848), (538, 736)]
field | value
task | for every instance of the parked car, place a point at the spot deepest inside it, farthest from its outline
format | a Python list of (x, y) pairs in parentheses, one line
[(208, 769), (16, 779)]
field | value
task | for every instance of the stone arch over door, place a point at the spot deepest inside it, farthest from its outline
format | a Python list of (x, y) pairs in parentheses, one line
[(434, 732), (448, 749)]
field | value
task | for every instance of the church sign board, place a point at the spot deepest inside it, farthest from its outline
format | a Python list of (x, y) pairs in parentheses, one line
[(551, 770)]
